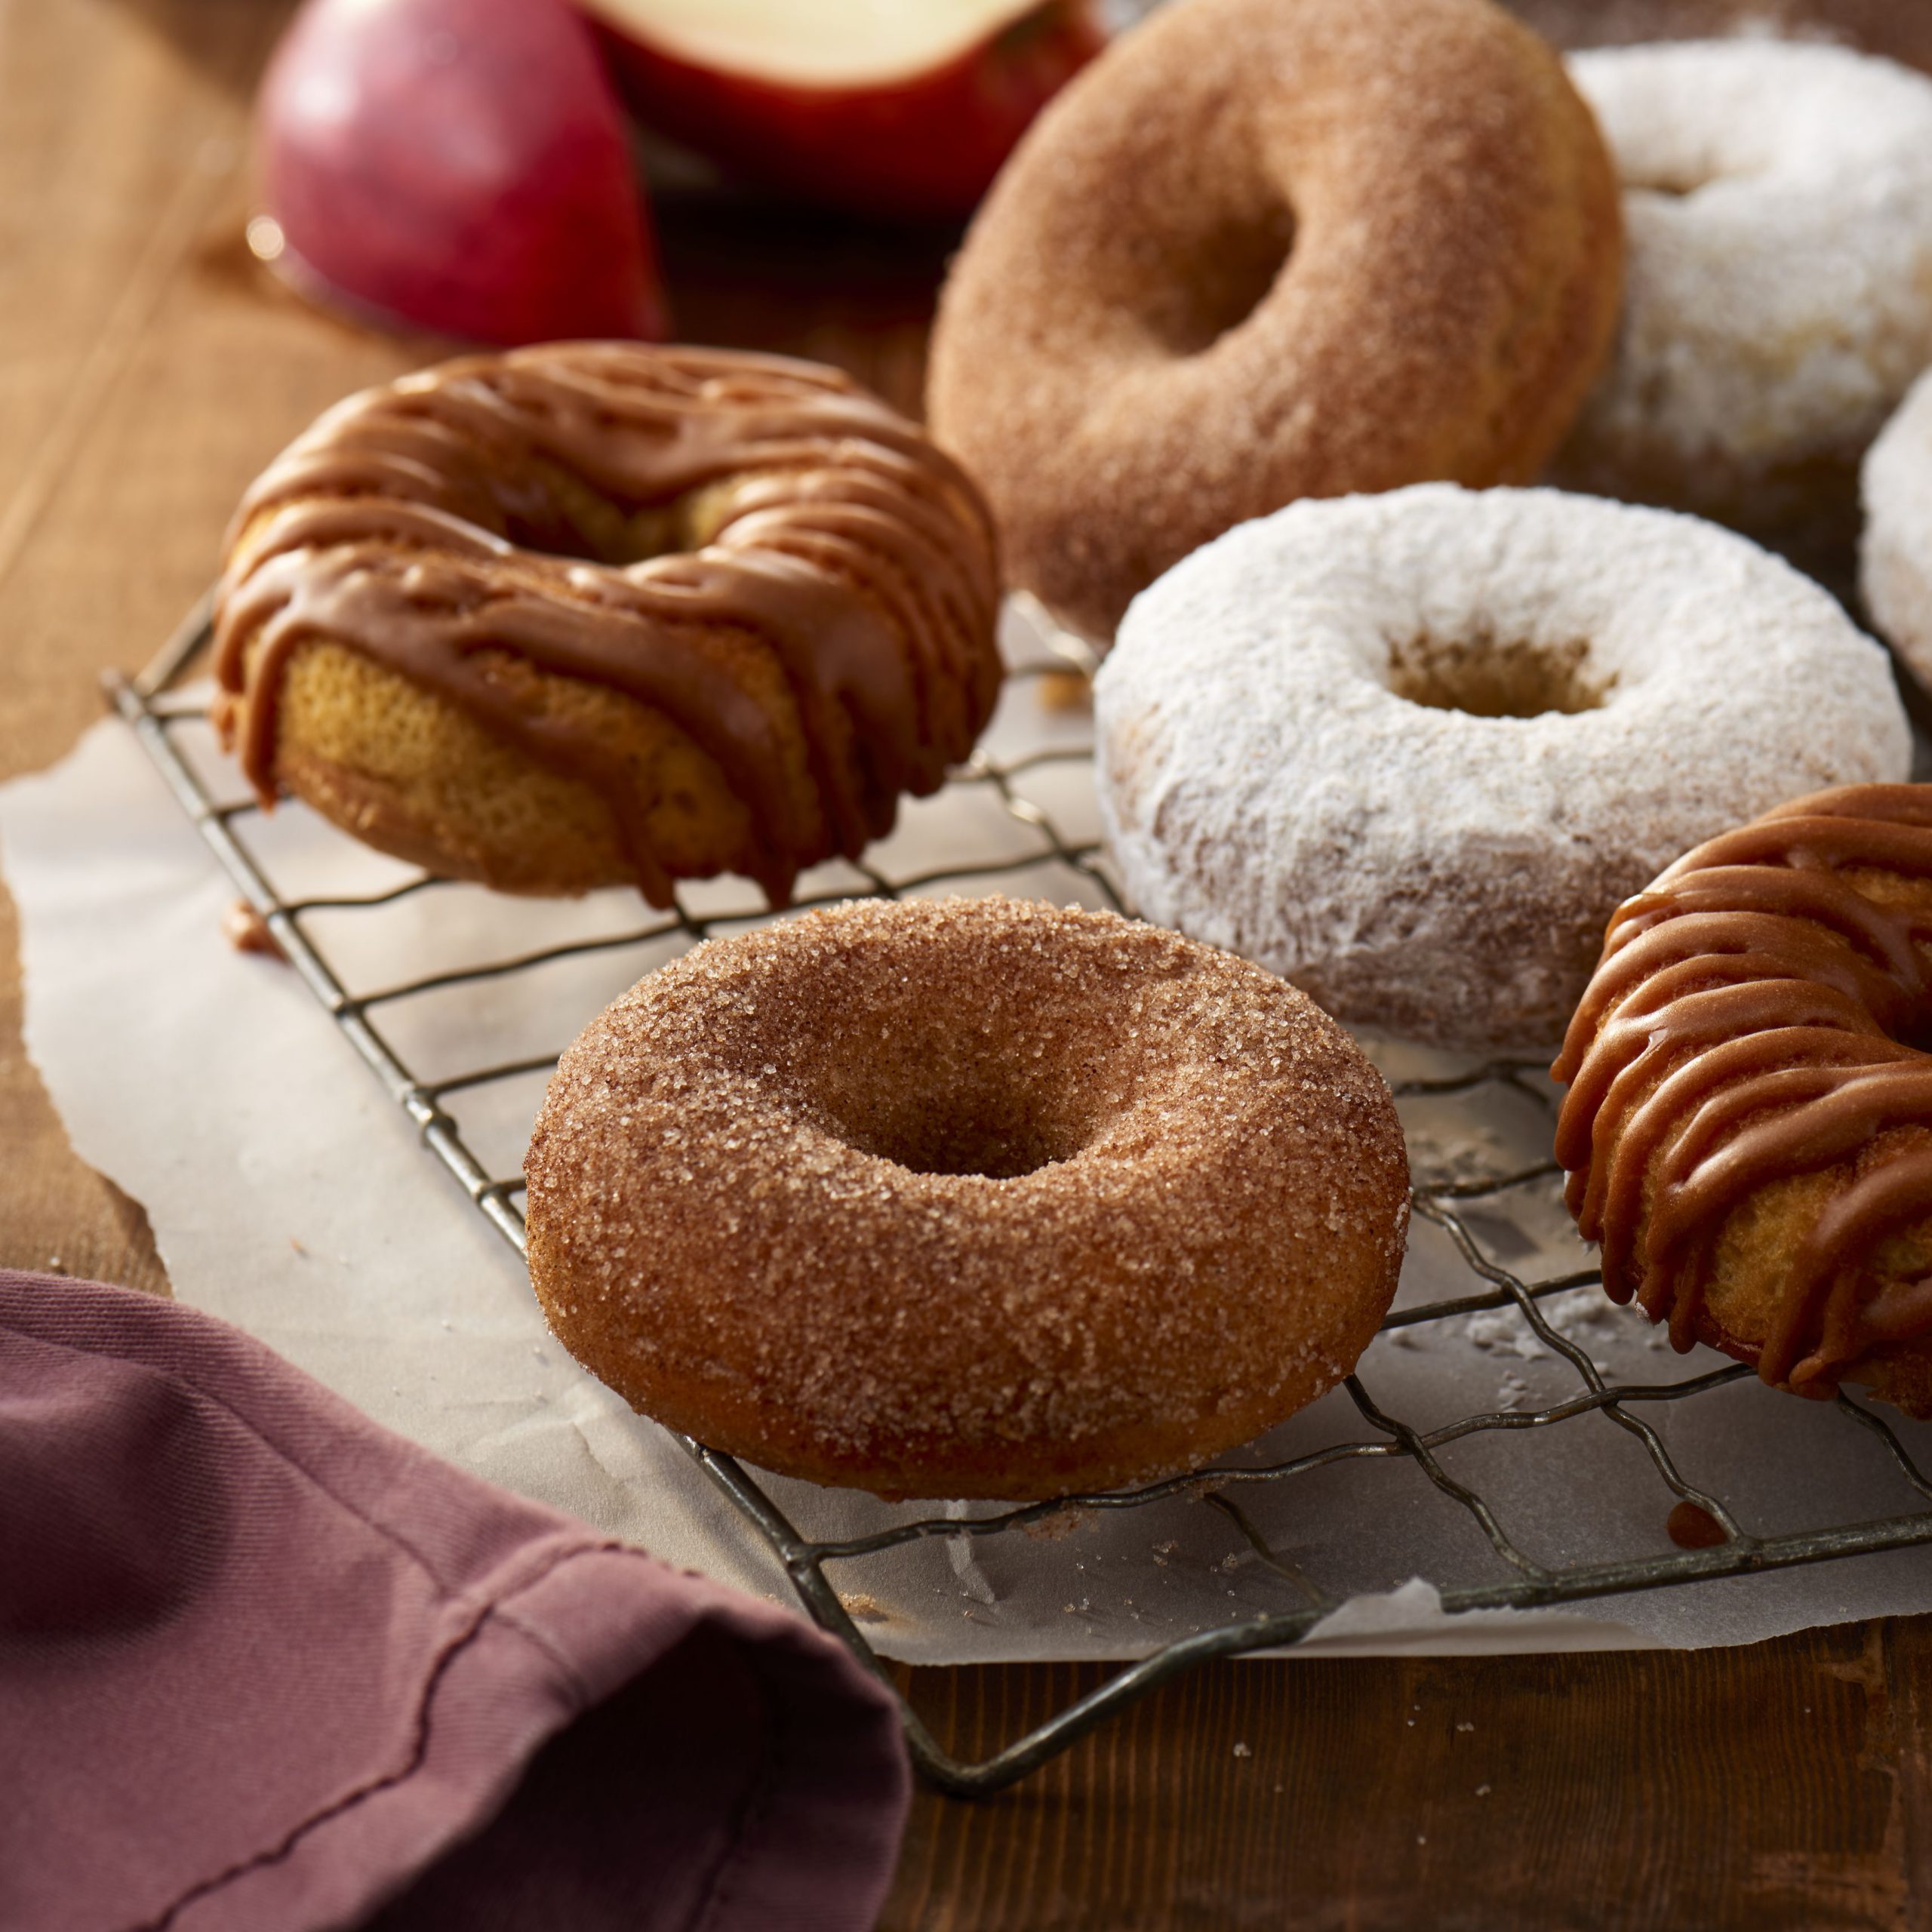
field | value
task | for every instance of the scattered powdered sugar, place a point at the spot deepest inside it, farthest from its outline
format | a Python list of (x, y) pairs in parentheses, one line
[(1503, 1331), (1590, 1318), (1895, 561), (1584, 1316), (1778, 296), (1595, 1323), (1443, 875)]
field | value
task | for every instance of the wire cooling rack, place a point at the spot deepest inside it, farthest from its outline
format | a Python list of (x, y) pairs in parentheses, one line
[(1457, 1205)]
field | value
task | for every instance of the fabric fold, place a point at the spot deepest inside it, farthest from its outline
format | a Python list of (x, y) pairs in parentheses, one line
[(264, 1665)]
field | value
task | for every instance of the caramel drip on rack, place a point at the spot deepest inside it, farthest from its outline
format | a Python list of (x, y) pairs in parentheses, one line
[(1755, 1015), (487, 506)]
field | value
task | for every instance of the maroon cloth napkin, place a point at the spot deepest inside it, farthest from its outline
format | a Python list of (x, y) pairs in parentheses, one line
[(264, 1665)]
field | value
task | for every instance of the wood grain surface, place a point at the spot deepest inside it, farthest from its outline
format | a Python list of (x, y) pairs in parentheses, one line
[(148, 368)]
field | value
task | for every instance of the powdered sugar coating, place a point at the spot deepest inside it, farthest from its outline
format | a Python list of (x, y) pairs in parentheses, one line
[(1895, 560), (1778, 293), (763, 1201), (1442, 875)]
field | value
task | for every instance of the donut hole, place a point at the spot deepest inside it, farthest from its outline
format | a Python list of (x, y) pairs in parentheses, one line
[(1677, 162), (1213, 281), (960, 1127), (939, 1105), (562, 515), (941, 1140), (1485, 677), (1674, 184)]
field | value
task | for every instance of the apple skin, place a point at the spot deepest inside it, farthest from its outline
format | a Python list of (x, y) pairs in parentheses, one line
[(462, 165), (926, 147)]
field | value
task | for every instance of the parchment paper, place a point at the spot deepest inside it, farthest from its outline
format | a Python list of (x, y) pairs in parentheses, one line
[(289, 1194)]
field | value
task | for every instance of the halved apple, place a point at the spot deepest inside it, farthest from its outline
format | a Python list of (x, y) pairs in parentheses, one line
[(904, 109), (463, 166)]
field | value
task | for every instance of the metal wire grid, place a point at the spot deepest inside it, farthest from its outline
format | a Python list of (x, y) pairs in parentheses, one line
[(145, 702)]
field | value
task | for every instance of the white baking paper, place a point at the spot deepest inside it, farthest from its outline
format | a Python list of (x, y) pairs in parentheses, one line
[(289, 1194)]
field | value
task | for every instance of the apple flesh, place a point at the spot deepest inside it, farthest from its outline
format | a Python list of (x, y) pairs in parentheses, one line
[(907, 112), (462, 165)]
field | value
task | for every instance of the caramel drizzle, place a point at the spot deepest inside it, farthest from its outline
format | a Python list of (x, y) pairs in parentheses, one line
[(462, 513), (1744, 1026)]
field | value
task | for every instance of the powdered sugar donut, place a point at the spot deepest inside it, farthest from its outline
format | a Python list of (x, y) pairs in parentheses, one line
[(1902, 33), (1410, 751), (1895, 564), (1778, 297)]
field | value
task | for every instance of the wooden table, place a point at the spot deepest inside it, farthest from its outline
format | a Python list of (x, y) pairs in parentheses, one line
[(148, 368)]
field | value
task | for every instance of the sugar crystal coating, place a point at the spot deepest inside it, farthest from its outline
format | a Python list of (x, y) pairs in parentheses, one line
[(1267, 249), (966, 1198)]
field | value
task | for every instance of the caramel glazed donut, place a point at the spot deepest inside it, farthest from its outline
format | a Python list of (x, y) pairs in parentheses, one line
[(1748, 1125), (1267, 249), (593, 613), (1778, 298), (974, 1197), (1410, 750), (1895, 557)]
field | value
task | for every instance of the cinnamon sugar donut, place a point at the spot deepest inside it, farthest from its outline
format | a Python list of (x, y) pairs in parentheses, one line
[(592, 613), (1778, 301), (976, 1198), (1411, 750), (1748, 1125), (1895, 560), (1267, 249)]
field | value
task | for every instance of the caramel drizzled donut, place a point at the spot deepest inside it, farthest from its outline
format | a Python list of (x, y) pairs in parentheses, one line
[(1748, 1125), (593, 612), (975, 1198), (1262, 250)]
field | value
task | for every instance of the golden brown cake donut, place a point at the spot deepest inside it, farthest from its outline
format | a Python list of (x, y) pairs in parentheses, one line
[(1748, 1125), (1268, 249), (973, 1198), (597, 612)]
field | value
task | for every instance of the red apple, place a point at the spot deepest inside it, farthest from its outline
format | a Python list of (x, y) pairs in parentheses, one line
[(460, 164), (898, 111)]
